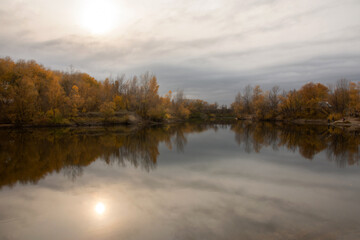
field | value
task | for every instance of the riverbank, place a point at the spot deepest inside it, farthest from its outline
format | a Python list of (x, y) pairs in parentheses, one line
[(132, 119), (83, 120), (350, 123)]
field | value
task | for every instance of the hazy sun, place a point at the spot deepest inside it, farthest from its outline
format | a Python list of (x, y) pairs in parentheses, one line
[(99, 208), (98, 16)]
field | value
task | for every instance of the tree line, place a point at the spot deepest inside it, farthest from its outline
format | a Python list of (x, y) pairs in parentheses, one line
[(30, 93), (312, 100)]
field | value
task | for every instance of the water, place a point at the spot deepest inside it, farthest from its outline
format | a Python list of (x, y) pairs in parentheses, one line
[(189, 181)]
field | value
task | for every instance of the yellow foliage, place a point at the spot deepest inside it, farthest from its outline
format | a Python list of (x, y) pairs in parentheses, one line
[(55, 115), (157, 113), (183, 112), (335, 116), (354, 95), (107, 109), (119, 102)]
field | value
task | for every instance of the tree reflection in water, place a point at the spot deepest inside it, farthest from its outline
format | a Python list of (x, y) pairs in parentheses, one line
[(341, 145), (27, 156)]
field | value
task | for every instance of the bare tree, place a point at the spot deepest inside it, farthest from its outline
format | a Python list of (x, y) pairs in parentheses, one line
[(274, 98), (247, 98)]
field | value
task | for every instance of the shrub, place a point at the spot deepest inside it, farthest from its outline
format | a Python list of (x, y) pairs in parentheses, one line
[(107, 109)]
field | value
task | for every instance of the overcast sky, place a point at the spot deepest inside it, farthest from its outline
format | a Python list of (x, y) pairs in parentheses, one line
[(211, 49)]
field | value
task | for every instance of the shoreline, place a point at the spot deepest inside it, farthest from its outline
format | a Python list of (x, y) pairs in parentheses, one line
[(350, 123)]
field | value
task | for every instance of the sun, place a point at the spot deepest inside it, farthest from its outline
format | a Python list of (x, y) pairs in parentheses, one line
[(99, 17), (99, 208)]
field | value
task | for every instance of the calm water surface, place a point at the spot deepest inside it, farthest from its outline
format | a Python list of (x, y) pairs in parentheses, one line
[(190, 181)]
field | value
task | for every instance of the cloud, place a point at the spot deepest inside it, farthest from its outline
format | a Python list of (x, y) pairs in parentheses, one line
[(211, 49)]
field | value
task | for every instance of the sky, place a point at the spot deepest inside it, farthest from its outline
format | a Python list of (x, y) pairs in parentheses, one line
[(211, 49)]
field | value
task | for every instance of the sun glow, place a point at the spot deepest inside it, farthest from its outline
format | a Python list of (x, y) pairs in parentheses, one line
[(99, 208), (99, 17)]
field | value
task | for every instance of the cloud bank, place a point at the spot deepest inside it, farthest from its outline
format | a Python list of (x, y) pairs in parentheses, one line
[(211, 49)]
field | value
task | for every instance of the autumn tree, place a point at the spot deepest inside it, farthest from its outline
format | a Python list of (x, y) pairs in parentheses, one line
[(290, 106), (166, 102), (75, 100), (23, 97), (354, 98), (7, 66), (259, 105), (311, 95), (150, 106), (180, 110)]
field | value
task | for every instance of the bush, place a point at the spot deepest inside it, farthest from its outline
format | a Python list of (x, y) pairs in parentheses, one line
[(335, 116), (55, 115), (107, 109), (157, 113)]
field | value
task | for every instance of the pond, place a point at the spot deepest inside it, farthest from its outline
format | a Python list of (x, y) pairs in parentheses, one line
[(186, 181)]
